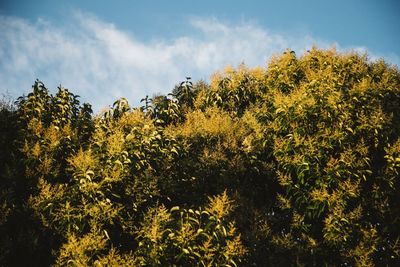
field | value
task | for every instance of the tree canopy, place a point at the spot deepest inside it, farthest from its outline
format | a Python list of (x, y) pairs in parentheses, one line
[(295, 164)]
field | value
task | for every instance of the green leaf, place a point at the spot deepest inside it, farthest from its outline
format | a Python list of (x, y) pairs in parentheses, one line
[(175, 208)]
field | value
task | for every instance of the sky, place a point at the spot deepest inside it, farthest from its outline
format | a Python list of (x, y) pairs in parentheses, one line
[(103, 50)]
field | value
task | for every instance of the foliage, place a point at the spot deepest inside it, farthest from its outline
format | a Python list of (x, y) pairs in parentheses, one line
[(294, 164), (187, 237)]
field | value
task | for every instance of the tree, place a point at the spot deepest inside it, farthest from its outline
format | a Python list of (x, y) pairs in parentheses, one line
[(294, 164)]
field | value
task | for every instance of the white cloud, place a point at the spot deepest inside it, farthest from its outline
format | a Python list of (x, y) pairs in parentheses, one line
[(102, 63)]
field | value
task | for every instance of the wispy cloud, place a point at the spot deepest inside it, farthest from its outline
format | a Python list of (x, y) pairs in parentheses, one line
[(102, 63)]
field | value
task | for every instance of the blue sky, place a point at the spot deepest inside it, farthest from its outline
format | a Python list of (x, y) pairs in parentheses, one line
[(103, 50)]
